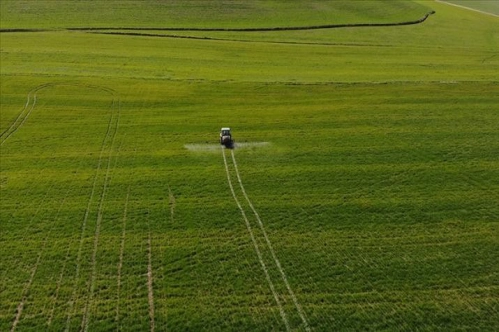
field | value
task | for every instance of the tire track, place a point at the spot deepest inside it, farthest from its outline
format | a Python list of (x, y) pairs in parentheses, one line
[(150, 291), (262, 29), (109, 136), (23, 115), (122, 246), (80, 246), (147, 32), (270, 247), (122, 251), (112, 130), (61, 275), (27, 287), (31, 101), (172, 203), (255, 245), (58, 288), (16, 124)]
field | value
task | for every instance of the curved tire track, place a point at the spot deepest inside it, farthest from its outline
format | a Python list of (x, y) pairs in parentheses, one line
[(106, 148), (15, 125), (24, 114), (28, 108)]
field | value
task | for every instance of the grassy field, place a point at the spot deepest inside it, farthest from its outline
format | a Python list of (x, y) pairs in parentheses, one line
[(201, 14), (362, 193), (491, 7)]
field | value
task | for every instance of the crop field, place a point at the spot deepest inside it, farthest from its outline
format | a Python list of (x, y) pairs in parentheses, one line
[(485, 6), (362, 193)]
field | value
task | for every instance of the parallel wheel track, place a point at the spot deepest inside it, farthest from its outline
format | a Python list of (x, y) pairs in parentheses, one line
[(275, 261)]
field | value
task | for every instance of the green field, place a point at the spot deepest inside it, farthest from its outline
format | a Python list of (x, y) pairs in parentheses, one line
[(486, 6), (362, 194)]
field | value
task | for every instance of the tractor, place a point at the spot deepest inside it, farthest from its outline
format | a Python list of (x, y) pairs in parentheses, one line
[(226, 138)]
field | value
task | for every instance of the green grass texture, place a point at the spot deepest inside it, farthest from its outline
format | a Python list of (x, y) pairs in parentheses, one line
[(201, 14), (361, 195), (491, 7)]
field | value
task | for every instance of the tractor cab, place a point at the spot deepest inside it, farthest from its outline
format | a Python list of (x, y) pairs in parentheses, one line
[(226, 137), (225, 132)]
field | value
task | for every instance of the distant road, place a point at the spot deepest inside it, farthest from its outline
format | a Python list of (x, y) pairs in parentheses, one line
[(469, 8)]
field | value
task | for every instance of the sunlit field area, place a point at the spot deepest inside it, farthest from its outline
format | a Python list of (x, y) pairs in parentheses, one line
[(361, 193)]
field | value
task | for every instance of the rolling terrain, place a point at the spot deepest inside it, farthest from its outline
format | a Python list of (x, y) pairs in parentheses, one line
[(361, 195)]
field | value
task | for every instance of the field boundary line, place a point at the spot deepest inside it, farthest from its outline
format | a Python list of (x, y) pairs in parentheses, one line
[(278, 28), (269, 244), (468, 8), (255, 245)]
